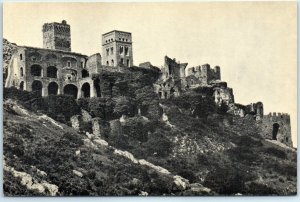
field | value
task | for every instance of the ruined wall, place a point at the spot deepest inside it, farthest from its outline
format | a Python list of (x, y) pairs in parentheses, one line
[(93, 63), (174, 69), (223, 95), (205, 74), (277, 126), (256, 109)]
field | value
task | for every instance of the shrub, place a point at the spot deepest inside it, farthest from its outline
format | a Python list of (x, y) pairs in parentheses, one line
[(276, 152), (61, 104)]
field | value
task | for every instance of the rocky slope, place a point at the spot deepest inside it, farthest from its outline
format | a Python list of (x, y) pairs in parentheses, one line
[(177, 155), (8, 50)]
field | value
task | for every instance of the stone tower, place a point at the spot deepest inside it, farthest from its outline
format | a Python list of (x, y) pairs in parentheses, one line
[(57, 36), (117, 49)]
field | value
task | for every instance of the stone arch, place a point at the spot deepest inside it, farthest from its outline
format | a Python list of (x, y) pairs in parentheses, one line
[(97, 87), (36, 70), (53, 88), (37, 87), (275, 131), (52, 72), (86, 90), (85, 73), (22, 85), (71, 89)]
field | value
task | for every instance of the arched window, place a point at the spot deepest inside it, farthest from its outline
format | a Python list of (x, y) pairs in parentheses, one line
[(121, 49), (21, 71), (52, 72), (112, 50), (22, 85), (112, 62), (21, 57), (36, 70), (126, 50), (107, 63)]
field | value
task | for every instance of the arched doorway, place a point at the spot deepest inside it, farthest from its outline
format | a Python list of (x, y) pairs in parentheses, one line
[(36, 70), (52, 72), (52, 88), (97, 87), (85, 90), (37, 87), (71, 89), (22, 85), (275, 131)]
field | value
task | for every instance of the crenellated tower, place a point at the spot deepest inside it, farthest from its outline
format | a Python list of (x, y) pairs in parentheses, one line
[(57, 36)]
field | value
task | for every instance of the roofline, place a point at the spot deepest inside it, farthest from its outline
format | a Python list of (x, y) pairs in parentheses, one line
[(115, 31), (62, 51)]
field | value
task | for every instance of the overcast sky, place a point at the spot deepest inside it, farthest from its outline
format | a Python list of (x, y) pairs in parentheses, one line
[(253, 43)]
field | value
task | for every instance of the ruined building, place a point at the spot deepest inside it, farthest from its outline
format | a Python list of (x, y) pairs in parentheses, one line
[(54, 70)]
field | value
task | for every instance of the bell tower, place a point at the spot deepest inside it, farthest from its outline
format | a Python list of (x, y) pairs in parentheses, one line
[(117, 49)]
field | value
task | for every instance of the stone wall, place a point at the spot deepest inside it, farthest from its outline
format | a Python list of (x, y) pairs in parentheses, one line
[(205, 74), (223, 95), (277, 126)]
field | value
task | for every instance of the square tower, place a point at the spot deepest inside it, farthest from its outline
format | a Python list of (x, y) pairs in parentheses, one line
[(57, 36), (117, 49)]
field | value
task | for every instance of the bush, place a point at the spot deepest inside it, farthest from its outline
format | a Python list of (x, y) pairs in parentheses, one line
[(55, 105), (188, 174), (225, 181), (276, 152), (158, 143)]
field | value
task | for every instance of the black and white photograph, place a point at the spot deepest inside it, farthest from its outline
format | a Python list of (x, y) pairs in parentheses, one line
[(149, 99)]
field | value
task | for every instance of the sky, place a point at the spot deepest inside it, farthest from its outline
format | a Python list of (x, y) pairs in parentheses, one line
[(254, 43)]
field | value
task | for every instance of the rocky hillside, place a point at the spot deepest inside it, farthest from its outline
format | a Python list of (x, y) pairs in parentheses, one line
[(182, 146), (8, 50)]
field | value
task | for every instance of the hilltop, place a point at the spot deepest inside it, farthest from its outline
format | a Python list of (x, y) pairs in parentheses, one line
[(131, 142)]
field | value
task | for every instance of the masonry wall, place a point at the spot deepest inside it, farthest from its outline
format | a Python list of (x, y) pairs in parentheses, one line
[(223, 95), (267, 127), (68, 71), (205, 74)]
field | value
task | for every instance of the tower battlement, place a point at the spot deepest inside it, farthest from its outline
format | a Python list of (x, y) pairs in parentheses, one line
[(57, 36), (277, 116)]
